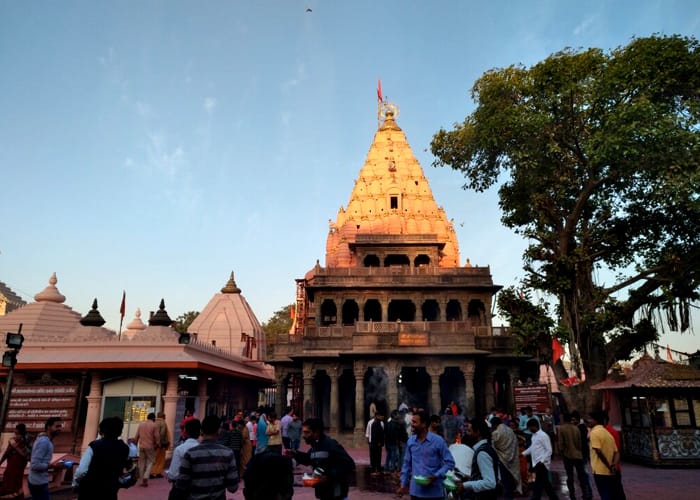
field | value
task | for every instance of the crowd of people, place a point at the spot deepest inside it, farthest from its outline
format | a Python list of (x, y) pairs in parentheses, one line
[(429, 456), (497, 456)]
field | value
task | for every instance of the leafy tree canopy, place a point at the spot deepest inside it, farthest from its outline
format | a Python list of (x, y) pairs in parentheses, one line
[(280, 322), (183, 322), (596, 156)]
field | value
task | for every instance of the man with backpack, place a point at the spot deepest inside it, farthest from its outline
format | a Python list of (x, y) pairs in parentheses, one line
[(483, 482)]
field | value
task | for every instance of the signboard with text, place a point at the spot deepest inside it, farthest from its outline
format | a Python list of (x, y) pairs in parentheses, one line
[(413, 339), (32, 405), (535, 396)]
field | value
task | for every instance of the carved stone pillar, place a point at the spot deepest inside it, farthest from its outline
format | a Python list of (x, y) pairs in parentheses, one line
[(94, 409), (170, 407), (468, 368), (514, 374), (391, 389), (280, 393), (442, 301), (202, 394), (308, 390), (435, 370), (359, 371), (333, 374), (489, 389), (384, 301)]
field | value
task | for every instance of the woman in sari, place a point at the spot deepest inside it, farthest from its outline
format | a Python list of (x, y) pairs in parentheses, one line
[(246, 450), (17, 456)]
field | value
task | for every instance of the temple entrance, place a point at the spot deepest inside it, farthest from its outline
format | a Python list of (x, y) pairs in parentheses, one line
[(453, 388), (375, 391), (346, 403), (295, 393), (414, 387), (322, 397)]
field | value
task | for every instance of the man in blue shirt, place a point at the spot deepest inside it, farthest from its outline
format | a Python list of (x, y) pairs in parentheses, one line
[(42, 452), (426, 456)]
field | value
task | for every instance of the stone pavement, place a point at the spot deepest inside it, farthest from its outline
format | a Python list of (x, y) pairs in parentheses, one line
[(640, 483)]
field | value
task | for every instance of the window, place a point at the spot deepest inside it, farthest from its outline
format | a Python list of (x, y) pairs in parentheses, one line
[(394, 202), (682, 412)]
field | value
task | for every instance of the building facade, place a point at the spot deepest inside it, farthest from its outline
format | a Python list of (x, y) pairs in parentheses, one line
[(392, 317), (72, 367)]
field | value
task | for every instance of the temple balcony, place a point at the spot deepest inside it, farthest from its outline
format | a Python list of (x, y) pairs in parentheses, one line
[(400, 275), (433, 337)]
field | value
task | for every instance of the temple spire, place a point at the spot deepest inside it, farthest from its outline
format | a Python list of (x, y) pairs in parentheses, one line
[(231, 286)]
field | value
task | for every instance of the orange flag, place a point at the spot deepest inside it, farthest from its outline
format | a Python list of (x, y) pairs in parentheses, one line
[(557, 350), (380, 97)]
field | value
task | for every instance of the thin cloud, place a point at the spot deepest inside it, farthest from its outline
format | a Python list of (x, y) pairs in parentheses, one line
[(209, 105), (299, 76), (584, 26), (144, 109), (161, 159)]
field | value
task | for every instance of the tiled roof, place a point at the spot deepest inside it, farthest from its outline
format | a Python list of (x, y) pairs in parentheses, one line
[(9, 295), (654, 374)]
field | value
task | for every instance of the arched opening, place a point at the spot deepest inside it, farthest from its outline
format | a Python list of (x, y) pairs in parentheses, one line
[(453, 312), (372, 261), (329, 313), (401, 310), (346, 405), (476, 312), (430, 310), (421, 260), (414, 387), (351, 312), (372, 310), (375, 390), (453, 388), (397, 261), (322, 396)]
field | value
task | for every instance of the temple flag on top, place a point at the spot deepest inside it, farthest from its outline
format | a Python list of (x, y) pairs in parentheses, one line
[(122, 308), (380, 97)]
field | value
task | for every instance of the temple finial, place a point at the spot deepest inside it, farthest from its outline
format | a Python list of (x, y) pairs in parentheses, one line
[(231, 286)]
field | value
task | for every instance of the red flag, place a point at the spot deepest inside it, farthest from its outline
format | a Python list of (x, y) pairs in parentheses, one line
[(380, 97), (122, 308), (292, 312), (557, 350)]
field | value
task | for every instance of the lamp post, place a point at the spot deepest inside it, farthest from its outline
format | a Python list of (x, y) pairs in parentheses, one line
[(14, 342)]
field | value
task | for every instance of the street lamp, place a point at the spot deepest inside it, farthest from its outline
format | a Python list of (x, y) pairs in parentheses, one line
[(14, 342)]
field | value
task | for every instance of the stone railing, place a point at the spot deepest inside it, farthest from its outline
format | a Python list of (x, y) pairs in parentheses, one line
[(441, 336)]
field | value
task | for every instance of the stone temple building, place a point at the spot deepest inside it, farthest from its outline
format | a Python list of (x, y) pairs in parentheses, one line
[(392, 316)]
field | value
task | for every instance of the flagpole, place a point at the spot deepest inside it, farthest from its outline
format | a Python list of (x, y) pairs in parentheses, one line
[(122, 310)]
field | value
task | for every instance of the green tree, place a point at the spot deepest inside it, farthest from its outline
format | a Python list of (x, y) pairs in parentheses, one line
[(596, 156), (183, 322), (280, 322)]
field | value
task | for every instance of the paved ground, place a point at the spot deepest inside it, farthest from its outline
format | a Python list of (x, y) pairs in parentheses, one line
[(640, 483)]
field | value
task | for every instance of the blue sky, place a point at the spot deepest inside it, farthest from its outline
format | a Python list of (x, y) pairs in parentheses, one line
[(155, 146)]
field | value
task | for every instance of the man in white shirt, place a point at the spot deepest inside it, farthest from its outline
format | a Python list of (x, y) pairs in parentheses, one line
[(540, 453), (193, 429)]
